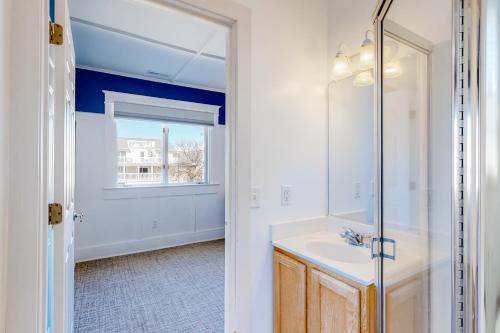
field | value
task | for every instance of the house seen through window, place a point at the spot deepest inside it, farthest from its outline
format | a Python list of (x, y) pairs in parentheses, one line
[(156, 152)]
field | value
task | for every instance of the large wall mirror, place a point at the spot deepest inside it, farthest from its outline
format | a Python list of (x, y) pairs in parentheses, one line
[(351, 145)]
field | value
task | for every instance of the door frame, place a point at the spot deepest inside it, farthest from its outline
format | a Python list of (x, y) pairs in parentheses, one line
[(27, 230)]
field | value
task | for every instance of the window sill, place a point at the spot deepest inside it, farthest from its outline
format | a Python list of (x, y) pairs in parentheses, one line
[(160, 186), (162, 190)]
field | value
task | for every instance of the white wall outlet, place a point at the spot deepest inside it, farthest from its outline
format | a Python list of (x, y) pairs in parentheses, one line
[(286, 195), (357, 190), (155, 224), (255, 197)]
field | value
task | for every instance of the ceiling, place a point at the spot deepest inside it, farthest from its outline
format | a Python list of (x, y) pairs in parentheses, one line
[(417, 15), (149, 41)]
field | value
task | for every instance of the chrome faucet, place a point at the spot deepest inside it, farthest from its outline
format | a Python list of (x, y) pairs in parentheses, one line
[(355, 238)]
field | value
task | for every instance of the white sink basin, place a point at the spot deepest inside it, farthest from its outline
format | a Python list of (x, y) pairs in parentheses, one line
[(340, 252), (329, 251)]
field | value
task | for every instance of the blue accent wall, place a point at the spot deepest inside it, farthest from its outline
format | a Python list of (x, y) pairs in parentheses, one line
[(90, 98), (52, 10)]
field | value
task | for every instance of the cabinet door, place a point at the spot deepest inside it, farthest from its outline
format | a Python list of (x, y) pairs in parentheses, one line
[(289, 295), (405, 309), (334, 306)]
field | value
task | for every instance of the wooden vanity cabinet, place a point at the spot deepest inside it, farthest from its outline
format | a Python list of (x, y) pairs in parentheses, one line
[(289, 294), (333, 306), (310, 299)]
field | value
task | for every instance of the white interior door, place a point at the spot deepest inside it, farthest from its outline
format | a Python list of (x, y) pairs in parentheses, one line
[(50, 184), (64, 174)]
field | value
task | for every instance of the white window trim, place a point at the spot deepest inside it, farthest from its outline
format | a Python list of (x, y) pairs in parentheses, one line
[(111, 97)]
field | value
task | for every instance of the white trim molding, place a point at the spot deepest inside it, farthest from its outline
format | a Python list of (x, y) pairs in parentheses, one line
[(160, 191), (146, 244), (27, 230)]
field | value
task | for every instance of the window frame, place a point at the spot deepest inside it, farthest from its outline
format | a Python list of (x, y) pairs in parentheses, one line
[(111, 136), (165, 180)]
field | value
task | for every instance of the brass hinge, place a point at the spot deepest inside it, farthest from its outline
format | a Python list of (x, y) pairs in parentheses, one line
[(55, 214), (56, 33)]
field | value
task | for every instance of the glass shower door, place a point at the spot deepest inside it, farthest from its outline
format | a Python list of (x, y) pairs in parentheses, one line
[(416, 164)]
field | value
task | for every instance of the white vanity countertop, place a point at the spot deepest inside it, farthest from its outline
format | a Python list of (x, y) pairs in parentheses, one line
[(305, 247), (318, 241)]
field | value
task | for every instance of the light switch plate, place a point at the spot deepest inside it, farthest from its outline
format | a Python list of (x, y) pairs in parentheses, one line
[(255, 197), (286, 195)]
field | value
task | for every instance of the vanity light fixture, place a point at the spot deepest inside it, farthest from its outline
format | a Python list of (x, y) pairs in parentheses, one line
[(363, 79), (341, 65), (367, 53)]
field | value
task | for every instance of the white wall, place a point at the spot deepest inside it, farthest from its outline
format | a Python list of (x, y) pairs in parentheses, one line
[(4, 149), (126, 220), (289, 128)]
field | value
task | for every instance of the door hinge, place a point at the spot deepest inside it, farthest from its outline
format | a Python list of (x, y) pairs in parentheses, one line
[(56, 33), (380, 248), (55, 214)]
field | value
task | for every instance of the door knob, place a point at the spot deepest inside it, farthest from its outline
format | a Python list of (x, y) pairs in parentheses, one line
[(78, 216)]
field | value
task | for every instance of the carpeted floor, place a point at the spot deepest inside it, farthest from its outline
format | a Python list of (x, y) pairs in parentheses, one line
[(179, 289)]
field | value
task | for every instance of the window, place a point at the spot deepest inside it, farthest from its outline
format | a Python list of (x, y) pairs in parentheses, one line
[(157, 141), (186, 153), (159, 152)]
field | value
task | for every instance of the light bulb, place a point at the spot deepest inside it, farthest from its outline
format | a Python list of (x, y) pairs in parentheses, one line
[(390, 50), (367, 54), (341, 67), (363, 79), (392, 69)]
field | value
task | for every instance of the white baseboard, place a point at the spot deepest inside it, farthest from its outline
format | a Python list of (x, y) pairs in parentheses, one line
[(147, 244)]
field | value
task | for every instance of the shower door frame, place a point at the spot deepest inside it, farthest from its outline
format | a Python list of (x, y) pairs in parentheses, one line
[(465, 171)]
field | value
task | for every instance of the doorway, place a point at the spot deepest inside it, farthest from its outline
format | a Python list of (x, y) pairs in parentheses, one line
[(150, 168)]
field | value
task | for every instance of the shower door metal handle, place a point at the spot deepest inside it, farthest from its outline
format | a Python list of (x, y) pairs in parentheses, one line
[(380, 248)]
